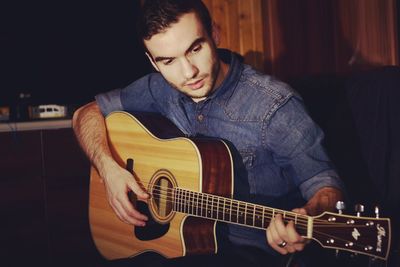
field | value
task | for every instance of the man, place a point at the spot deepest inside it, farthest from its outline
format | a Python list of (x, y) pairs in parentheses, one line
[(209, 92)]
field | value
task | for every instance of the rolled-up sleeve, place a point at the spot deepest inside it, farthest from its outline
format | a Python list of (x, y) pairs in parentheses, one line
[(296, 143), (323, 179), (147, 94), (109, 102)]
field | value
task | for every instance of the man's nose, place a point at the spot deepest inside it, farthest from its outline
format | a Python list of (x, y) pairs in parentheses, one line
[(189, 69)]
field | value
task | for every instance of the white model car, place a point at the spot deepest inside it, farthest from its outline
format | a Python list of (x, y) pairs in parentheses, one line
[(48, 111)]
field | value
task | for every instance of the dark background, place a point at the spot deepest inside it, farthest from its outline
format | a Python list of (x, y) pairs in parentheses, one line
[(65, 52)]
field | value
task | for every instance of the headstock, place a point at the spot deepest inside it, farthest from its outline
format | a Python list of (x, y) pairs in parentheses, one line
[(365, 235)]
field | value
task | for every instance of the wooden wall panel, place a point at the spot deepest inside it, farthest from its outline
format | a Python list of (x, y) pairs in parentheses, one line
[(307, 37), (292, 38), (366, 34), (241, 28), (298, 37)]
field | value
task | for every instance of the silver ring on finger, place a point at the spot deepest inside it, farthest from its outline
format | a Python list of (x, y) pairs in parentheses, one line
[(282, 245)]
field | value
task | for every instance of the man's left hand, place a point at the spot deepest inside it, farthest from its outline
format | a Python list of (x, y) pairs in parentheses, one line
[(284, 238)]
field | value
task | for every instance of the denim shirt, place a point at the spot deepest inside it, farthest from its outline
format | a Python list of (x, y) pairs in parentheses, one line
[(276, 145)]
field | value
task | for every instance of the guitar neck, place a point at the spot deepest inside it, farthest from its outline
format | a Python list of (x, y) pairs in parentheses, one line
[(233, 211)]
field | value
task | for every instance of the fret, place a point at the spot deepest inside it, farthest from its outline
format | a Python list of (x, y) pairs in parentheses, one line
[(199, 206), (208, 211), (196, 204), (179, 204), (212, 206), (234, 211), (187, 202), (237, 211), (230, 210), (194, 207), (245, 213), (175, 207), (174, 199), (187, 207), (223, 209), (184, 201), (249, 217), (180, 200), (268, 219), (191, 202), (205, 204), (258, 218), (177, 199), (227, 210), (295, 219), (242, 213), (263, 217), (216, 210), (202, 212), (220, 210)]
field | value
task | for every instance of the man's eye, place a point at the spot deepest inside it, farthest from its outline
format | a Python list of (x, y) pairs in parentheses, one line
[(168, 61), (196, 49)]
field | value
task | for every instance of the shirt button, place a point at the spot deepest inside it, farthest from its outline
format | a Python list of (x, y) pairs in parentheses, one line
[(200, 117)]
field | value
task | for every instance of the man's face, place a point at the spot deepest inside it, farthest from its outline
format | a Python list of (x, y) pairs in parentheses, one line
[(186, 56)]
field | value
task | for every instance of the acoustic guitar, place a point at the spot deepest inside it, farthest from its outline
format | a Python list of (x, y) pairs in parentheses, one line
[(190, 181)]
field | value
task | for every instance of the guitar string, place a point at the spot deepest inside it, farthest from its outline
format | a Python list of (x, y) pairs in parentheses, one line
[(208, 208), (255, 207), (282, 212), (208, 205), (221, 208), (315, 232)]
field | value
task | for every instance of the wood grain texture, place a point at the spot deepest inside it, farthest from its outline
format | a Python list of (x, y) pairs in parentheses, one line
[(294, 38), (199, 234), (240, 24), (181, 157), (366, 34)]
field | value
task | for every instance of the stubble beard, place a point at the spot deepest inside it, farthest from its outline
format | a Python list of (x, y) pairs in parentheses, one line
[(212, 83)]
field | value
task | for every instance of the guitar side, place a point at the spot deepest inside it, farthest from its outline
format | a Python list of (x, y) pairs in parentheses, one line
[(198, 165)]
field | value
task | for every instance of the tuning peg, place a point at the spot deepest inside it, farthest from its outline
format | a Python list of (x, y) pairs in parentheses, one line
[(359, 209), (376, 210), (340, 206)]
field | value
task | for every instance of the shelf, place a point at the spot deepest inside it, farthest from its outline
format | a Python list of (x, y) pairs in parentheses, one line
[(35, 125)]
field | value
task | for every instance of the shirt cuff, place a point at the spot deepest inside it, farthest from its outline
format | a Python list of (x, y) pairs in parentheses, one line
[(328, 178), (109, 102)]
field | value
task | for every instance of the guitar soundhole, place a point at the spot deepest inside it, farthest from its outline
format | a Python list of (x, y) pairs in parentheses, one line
[(162, 194)]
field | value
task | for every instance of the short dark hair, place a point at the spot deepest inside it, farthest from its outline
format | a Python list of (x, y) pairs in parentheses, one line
[(158, 15)]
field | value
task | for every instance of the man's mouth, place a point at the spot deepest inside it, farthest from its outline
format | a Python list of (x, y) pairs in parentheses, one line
[(196, 84)]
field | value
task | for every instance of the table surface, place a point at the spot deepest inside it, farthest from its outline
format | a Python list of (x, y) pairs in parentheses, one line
[(35, 125)]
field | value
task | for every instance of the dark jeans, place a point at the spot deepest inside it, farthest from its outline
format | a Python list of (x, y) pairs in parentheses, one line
[(236, 256)]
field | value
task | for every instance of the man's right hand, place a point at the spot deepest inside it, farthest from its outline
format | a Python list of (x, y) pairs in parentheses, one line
[(90, 130), (118, 184)]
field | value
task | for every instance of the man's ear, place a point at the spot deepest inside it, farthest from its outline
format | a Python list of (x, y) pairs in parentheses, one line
[(152, 61), (216, 33)]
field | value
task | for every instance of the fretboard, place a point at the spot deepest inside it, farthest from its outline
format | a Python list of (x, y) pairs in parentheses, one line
[(233, 211)]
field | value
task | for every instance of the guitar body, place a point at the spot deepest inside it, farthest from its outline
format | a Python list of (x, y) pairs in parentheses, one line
[(162, 158)]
